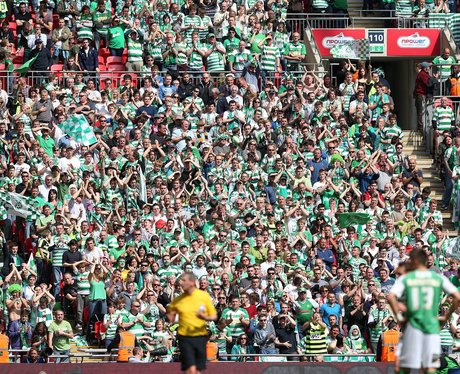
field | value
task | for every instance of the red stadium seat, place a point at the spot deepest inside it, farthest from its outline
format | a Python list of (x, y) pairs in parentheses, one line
[(115, 60), (104, 52), (116, 67), (57, 69), (101, 60)]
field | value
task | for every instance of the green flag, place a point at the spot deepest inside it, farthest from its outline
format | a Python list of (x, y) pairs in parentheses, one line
[(24, 68), (78, 128), (348, 219)]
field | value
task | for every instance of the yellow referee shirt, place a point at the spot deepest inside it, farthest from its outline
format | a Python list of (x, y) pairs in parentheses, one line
[(187, 306)]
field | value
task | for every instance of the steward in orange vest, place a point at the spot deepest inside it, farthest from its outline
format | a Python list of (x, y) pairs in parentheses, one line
[(125, 341), (386, 348), (4, 357), (453, 82)]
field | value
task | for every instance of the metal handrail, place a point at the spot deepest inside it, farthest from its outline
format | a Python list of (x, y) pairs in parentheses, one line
[(36, 77), (294, 355), (332, 20)]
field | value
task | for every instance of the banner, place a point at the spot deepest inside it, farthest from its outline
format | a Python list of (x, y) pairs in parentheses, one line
[(453, 248), (19, 205), (414, 42), (328, 38), (78, 128), (353, 50)]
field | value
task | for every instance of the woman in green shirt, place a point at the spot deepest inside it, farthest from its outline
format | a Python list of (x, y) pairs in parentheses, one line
[(97, 293)]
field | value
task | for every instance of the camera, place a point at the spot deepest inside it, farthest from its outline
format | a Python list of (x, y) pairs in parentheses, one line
[(159, 351)]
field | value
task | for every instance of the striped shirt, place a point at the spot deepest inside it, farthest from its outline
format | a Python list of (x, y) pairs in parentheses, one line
[(349, 92), (235, 328), (85, 33), (443, 118), (314, 341), (83, 285), (60, 244), (269, 56), (444, 69), (374, 316), (181, 58), (112, 328), (154, 49), (281, 39), (446, 337), (194, 21), (207, 22), (389, 132), (404, 8), (100, 17), (134, 50), (215, 60), (164, 273), (320, 4), (195, 61)]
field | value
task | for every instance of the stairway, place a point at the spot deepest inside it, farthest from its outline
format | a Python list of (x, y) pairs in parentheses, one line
[(364, 19), (414, 145)]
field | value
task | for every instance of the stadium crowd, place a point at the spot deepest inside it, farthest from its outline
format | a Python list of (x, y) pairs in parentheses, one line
[(288, 195)]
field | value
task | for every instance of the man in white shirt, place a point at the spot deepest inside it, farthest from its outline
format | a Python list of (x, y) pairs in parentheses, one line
[(37, 35), (69, 161), (44, 189), (270, 263)]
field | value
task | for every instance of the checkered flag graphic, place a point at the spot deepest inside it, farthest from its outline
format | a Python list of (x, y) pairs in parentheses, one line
[(352, 49), (78, 128)]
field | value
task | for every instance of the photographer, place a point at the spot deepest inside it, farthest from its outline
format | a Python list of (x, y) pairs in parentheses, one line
[(138, 356)]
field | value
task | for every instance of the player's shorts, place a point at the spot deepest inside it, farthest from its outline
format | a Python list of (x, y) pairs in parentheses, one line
[(419, 350), (192, 351)]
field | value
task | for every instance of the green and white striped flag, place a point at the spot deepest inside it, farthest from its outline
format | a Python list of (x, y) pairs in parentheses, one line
[(19, 205), (31, 263), (352, 49), (78, 128)]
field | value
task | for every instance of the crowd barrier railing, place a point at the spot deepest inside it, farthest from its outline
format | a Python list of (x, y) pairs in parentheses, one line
[(37, 78), (299, 22), (94, 354), (101, 356)]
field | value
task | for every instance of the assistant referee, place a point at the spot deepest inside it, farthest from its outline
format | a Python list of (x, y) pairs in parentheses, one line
[(194, 308)]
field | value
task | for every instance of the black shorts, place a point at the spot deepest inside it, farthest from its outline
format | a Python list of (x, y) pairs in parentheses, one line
[(193, 351)]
